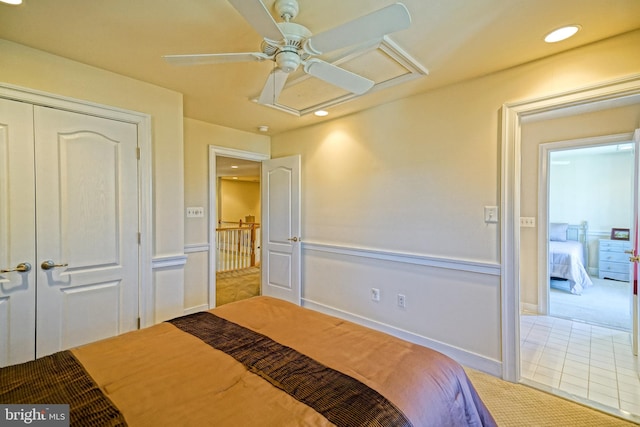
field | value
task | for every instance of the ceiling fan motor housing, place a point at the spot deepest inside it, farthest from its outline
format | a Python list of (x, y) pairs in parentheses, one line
[(289, 54)]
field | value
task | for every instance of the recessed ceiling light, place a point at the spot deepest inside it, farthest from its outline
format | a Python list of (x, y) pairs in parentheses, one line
[(13, 2), (263, 128), (561, 33), (234, 166), (235, 177), (321, 113)]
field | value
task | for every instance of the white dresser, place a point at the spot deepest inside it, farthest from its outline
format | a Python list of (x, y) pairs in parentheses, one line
[(613, 262)]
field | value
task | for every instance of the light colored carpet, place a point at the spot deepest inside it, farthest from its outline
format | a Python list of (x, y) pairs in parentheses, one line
[(518, 405), (606, 303), (237, 285)]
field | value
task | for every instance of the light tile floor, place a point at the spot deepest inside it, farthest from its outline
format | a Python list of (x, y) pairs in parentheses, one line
[(592, 364)]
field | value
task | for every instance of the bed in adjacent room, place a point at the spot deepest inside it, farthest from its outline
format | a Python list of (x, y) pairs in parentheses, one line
[(260, 361), (568, 255)]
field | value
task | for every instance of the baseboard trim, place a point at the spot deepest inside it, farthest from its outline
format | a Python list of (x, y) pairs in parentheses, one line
[(527, 308), (196, 309), (464, 357)]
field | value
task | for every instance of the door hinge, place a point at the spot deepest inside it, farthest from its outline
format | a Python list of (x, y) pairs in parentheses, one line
[(138, 323), (138, 153), (139, 238)]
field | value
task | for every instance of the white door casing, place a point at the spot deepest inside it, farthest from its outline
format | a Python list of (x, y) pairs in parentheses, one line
[(86, 216), (17, 233), (616, 92), (281, 234), (215, 151), (635, 302)]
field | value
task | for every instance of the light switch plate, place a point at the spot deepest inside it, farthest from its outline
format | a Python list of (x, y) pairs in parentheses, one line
[(490, 214)]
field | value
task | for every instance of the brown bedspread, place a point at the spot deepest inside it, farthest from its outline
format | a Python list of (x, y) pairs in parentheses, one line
[(163, 376), (59, 379)]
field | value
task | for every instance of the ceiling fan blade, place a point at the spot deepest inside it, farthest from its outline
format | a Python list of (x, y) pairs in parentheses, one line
[(338, 76), (257, 14), (215, 58), (374, 25), (272, 88)]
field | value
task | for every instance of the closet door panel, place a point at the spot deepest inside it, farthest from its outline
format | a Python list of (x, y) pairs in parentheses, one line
[(87, 210), (17, 233)]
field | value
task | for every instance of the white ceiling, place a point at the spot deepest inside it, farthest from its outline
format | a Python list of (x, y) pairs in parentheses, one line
[(454, 39)]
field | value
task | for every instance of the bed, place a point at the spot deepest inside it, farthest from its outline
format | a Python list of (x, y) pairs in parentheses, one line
[(568, 254), (260, 361)]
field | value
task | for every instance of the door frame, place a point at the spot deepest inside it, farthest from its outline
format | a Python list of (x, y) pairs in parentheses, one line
[(143, 124), (215, 151), (543, 203), (613, 93)]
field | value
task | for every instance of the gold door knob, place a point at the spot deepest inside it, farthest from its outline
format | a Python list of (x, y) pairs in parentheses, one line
[(23, 267), (49, 264), (634, 258)]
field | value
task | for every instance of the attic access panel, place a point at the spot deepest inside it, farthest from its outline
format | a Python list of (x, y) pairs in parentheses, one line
[(385, 63)]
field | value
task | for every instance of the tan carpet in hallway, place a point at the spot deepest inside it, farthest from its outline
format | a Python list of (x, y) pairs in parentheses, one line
[(518, 405), (237, 285)]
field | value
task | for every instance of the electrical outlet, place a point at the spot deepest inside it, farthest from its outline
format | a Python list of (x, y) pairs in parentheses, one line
[(527, 221), (402, 301), (195, 212), (375, 294)]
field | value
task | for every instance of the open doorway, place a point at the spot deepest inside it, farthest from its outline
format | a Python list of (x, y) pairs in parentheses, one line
[(590, 193), (235, 230), (577, 342)]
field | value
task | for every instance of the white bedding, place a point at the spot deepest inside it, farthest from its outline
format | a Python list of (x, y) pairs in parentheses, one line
[(566, 261)]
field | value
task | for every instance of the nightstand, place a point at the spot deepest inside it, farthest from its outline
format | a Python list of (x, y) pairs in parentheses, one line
[(613, 262)]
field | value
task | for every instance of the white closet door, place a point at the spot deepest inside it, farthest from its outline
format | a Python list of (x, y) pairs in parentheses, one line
[(281, 239), (17, 233), (87, 228)]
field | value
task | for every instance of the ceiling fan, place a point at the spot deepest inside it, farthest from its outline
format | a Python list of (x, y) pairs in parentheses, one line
[(290, 45)]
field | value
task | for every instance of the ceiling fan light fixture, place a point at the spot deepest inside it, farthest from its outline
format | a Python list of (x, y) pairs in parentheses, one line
[(561, 33), (288, 61)]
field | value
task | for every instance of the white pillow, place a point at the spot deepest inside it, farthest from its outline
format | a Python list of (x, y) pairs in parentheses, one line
[(558, 232)]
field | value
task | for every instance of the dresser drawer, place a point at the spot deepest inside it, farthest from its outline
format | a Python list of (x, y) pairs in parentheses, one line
[(614, 245), (624, 277), (614, 256), (615, 267)]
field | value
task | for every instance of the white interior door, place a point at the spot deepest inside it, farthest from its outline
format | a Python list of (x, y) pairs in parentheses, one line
[(87, 228), (17, 234), (281, 237)]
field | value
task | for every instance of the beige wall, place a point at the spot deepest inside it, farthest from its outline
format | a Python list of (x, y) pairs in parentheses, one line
[(406, 183), (239, 199), (198, 137), (30, 68)]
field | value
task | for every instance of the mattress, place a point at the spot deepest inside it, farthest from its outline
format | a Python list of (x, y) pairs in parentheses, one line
[(566, 261), (260, 361)]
